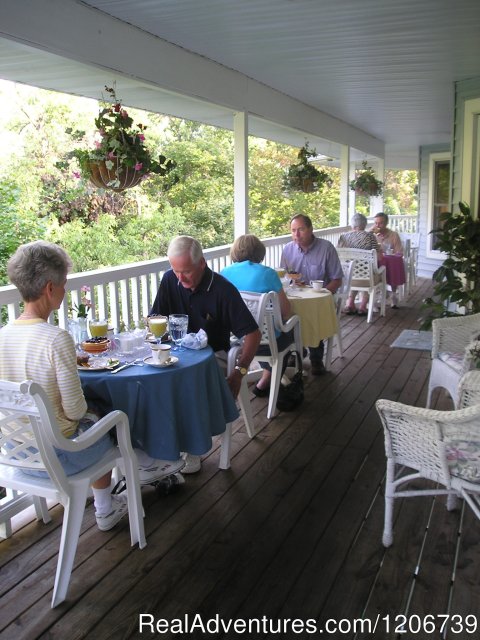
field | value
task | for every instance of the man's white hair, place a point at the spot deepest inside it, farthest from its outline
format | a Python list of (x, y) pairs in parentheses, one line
[(182, 245)]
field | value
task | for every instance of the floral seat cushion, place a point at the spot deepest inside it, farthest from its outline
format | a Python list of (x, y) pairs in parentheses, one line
[(464, 458)]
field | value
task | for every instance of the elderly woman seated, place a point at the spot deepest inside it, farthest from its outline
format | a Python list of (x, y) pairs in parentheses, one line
[(358, 238), (247, 274), (33, 349)]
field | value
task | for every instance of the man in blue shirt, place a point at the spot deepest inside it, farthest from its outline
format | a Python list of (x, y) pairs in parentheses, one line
[(316, 259)]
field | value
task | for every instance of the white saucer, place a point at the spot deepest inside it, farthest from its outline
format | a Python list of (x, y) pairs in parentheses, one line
[(170, 361)]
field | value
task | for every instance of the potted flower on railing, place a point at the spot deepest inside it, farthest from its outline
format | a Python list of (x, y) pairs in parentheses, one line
[(78, 328), (304, 176), (120, 159), (367, 184)]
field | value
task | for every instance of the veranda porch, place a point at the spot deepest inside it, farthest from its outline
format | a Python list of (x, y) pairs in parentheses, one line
[(292, 530)]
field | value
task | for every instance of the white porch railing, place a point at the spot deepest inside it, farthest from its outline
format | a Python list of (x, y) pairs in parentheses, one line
[(125, 294)]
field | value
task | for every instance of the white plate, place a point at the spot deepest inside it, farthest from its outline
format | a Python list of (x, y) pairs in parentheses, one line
[(100, 364), (171, 360)]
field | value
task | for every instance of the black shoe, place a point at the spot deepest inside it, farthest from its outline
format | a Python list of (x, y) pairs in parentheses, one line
[(318, 369), (260, 393)]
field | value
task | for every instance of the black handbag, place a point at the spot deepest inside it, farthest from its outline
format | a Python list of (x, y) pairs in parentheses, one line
[(291, 396)]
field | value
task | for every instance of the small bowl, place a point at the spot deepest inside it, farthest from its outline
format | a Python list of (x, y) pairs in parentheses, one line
[(97, 346)]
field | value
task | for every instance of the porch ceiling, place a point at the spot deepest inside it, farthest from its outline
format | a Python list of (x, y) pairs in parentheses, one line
[(387, 68)]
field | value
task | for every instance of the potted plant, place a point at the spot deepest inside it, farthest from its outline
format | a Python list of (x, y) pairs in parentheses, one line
[(304, 176), (367, 184), (119, 159), (457, 280)]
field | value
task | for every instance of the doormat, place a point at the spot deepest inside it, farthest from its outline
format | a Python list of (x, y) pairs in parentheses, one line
[(409, 339)]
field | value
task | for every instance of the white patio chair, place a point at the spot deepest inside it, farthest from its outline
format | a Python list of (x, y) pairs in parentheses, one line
[(341, 297), (13, 503), (367, 276), (410, 243), (265, 308), (29, 435), (441, 446), (449, 361)]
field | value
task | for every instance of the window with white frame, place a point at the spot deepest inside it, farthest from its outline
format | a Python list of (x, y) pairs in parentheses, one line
[(438, 197)]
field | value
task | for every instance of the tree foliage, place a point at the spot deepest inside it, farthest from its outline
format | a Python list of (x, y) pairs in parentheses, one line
[(42, 197)]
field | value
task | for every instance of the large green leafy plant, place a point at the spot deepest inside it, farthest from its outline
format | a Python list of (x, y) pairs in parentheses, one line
[(457, 280)]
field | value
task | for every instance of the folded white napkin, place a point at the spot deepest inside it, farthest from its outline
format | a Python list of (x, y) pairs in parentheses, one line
[(195, 340)]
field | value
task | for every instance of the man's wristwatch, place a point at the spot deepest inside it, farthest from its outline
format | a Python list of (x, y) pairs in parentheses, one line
[(242, 370)]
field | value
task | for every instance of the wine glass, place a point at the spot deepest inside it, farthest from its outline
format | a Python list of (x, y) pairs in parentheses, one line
[(178, 323), (158, 326)]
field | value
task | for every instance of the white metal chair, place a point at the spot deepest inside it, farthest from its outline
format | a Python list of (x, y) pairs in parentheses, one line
[(367, 276), (449, 361), (29, 435), (265, 308), (341, 297), (441, 446)]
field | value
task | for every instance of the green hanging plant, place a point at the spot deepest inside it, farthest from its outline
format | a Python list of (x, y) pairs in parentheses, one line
[(367, 184), (304, 176), (119, 159)]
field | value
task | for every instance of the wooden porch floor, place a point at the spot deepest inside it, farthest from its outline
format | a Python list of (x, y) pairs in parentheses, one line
[(292, 530)]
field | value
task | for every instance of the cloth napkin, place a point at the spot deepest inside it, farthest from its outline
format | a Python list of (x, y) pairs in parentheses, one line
[(195, 340)]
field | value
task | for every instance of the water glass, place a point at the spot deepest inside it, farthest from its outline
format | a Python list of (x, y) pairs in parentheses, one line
[(178, 326)]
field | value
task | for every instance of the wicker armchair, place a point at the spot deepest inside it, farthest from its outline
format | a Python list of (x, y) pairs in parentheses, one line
[(449, 360), (441, 446)]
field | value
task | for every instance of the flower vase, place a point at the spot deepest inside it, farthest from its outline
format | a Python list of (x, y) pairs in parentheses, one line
[(82, 330)]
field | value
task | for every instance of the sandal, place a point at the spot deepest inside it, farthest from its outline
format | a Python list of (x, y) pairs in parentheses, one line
[(349, 312), (260, 393), (361, 312)]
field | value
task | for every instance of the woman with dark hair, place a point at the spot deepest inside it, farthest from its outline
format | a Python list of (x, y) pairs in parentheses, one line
[(248, 274)]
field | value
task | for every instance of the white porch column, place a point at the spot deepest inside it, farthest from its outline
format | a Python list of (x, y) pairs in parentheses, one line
[(240, 172), (376, 203), (351, 193), (344, 180)]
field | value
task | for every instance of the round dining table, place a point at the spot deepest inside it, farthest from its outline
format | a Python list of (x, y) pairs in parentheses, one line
[(316, 309), (171, 409)]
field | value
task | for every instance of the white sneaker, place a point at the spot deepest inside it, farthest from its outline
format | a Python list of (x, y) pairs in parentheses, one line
[(158, 469), (119, 509), (193, 464)]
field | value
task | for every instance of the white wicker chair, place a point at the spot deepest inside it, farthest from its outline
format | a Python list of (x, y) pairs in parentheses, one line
[(441, 446), (450, 338), (367, 276), (469, 389), (29, 436), (341, 297)]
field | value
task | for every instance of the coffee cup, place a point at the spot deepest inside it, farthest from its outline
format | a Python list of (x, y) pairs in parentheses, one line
[(317, 284), (160, 353)]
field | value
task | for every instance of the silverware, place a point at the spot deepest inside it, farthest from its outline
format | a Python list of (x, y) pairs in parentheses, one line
[(137, 362), (124, 366)]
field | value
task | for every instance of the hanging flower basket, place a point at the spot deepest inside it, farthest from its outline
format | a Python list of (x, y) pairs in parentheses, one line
[(103, 178), (120, 158), (304, 176), (367, 183)]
